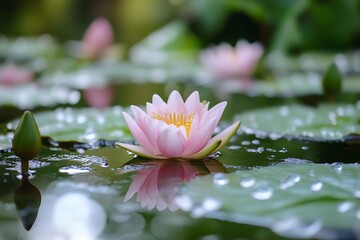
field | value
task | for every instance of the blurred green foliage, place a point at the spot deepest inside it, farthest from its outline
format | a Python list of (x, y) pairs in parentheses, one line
[(285, 25)]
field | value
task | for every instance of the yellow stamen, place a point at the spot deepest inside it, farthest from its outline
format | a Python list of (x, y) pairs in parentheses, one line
[(177, 119)]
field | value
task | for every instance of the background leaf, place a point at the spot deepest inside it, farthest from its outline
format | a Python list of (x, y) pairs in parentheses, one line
[(326, 122)]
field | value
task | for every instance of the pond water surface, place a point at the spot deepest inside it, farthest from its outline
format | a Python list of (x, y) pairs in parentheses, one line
[(99, 191)]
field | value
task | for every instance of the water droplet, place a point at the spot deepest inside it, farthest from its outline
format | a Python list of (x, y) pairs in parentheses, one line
[(234, 147), (345, 206), (316, 186), (74, 169), (245, 143), (296, 161), (247, 182), (30, 176), (292, 226), (357, 193), (312, 173), (260, 149), (305, 148), (184, 202), (275, 136), (81, 119), (332, 118), (220, 179), (197, 212), (255, 141), (263, 192), (283, 150), (290, 181), (337, 167), (270, 150), (284, 110), (211, 204)]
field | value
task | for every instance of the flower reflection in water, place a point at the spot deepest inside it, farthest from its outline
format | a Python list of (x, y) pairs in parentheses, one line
[(11, 75), (99, 97), (27, 199), (158, 183)]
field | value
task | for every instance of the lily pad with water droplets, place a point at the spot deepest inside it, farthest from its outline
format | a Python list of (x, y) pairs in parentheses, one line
[(327, 122), (84, 125), (28, 96), (313, 62), (28, 47), (293, 85), (5, 142), (300, 201), (96, 75)]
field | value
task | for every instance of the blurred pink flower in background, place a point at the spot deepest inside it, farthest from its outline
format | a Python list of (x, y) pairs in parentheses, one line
[(99, 97), (225, 61), (177, 129), (12, 74), (157, 185), (97, 38)]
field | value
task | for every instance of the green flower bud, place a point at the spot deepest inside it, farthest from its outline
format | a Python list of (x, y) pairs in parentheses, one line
[(27, 138), (332, 82)]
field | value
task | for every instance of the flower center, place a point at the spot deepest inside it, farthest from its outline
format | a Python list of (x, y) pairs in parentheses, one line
[(177, 119)]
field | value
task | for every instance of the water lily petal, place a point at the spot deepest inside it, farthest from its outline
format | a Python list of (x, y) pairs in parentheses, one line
[(138, 150), (193, 104), (206, 151), (138, 133), (199, 136), (159, 103), (151, 109), (225, 135), (154, 127), (176, 103), (217, 111), (140, 117), (171, 142)]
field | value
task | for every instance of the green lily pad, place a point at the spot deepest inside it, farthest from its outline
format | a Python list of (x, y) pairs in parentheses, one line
[(5, 142), (96, 75), (25, 48), (296, 84), (301, 201), (313, 61), (328, 122), (84, 125), (28, 96)]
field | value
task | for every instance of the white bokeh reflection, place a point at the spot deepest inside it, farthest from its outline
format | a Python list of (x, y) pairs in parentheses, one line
[(70, 216)]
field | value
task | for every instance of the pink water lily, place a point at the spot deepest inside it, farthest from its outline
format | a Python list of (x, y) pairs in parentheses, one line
[(227, 61), (177, 129), (97, 38)]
